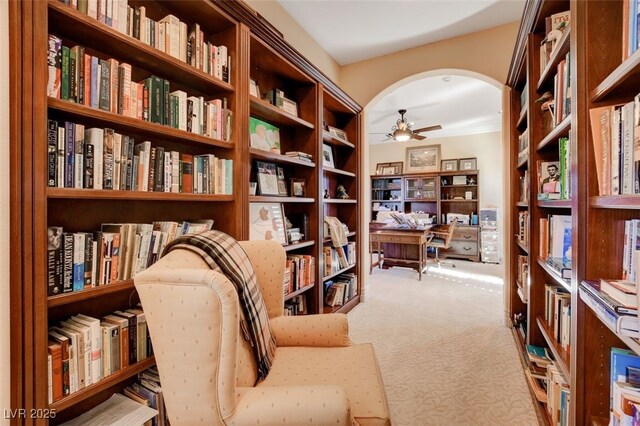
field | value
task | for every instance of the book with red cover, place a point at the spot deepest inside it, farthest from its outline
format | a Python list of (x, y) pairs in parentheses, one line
[(186, 160), (55, 350)]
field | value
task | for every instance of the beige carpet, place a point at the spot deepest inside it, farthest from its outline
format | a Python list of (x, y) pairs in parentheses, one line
[(445, 356)]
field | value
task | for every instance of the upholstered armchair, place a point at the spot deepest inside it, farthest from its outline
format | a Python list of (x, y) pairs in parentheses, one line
[(207, 367)]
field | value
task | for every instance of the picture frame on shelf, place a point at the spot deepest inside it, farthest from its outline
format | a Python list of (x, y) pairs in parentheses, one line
[(253, 186), (450, 165), (290, 106), (386, 169), (327, 156), (254, 90), (267, 178), (339, 133), (264, 136), (423, 159), (468, 164), (459, 180), (298, 187), (282, 183), (266, 222)]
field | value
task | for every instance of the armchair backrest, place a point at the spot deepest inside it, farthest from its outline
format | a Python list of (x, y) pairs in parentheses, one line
[(193, 316)]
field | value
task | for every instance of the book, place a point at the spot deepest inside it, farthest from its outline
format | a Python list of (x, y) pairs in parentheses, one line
[(623, 292)]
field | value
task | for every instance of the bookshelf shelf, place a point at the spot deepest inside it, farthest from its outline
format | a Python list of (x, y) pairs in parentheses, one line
[(523, 247), (599, 421), (554, 275), (559, 355), (523, 117), (623, 80), (274, 115), (551, 139), (97, 117), (299, 245), (632, 344), (338, 201), (458, 186), (108, 194), (103, 384), (521, 294), (629, 202), (335, 274), (459, 201), (344, 308), (278, 158), (558, 55), (90, 293), (522, 204), (554, 204), (268, 199), (523, 163), (328, 240), (334, 140), (85, 29), (298, 292), (338, 172)]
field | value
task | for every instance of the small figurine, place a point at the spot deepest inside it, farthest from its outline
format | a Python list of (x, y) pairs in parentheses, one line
[(326, 193), (471, 181), (341, 193)]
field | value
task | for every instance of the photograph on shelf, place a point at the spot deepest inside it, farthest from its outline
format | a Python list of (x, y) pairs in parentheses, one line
[(468, 164), (253, 186), (459, 180), (339, 133), (267, 178), (266, 222), (290, 106), (424, 158), (549, 175), (298, 187), (264, 136), (253, 88), (449, 165), (385, 169), (282, 183), (327, 156)]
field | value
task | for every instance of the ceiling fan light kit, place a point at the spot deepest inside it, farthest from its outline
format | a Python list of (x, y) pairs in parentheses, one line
[(402, 131)]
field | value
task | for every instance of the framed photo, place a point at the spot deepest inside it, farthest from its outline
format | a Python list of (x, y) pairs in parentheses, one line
[(282, 183), (449, 165), (253, 88), (337, 133), (389, 168), (267, 178), (264, 136), (459, 180), (468, 164), (327, 156), (290, 106), (266, 222), (423, 159), (549, 177), (298, 187)]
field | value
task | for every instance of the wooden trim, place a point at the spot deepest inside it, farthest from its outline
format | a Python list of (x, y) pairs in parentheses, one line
[(559, 354), (90, 293), (106, 194), (291, 295)]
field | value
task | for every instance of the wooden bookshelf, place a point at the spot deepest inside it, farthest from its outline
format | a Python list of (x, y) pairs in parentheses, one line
[(89, 293), (349, 235), (344, 308), (275, 115), (335, 274), (278, 158), (299, 245), (559, 354), (523, 247), (554, 204), (558, 54), (274, 199), (107, 194), (339, 172), (551, 139), (623, 202), (334, 140), (555, 276), (338, 201), (298, 292), (522, 119)]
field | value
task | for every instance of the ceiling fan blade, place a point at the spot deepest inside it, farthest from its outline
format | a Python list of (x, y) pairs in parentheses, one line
[(418, 137), (378, 133), (428, 129)]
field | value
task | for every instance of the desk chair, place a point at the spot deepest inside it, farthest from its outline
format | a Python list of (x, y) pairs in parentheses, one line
[(442, 237)]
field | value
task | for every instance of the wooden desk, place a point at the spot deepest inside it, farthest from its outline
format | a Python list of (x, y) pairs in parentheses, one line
[(404, 236)]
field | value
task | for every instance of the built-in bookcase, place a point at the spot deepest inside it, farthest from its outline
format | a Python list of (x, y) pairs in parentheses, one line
[(255, 53)]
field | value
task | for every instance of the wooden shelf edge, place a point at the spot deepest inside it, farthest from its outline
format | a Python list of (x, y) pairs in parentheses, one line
[(351, 303), (557, 132), (298, 292), (627, 202), (554, 275), (334, 140), (109, 194), (522, 118), (278, 158), (90, 293), (560, 356), (299, 245), (554, 204), (328, 240), (268, 112), (338, 201), (275, 199), (103, 384), (599, 421), (524, 162), (335, 274), (617, 77), (338, 171), (522, 246), (560, 52), (522, 204)]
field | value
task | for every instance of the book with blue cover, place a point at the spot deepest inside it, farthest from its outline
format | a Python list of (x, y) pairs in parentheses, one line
[(621, 360)]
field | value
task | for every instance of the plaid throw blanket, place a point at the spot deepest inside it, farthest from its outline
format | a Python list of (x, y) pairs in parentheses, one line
[(223, 253)]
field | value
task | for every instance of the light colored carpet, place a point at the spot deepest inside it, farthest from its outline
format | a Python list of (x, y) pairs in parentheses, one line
[(445, 355)]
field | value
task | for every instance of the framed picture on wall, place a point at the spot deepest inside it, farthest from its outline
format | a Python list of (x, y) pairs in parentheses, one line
[(389, 168), (423, 159), (449, 165), (266, 222), (468, 164)]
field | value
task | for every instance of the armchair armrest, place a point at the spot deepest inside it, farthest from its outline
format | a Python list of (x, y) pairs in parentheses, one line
[(292, 405), (330, 330)]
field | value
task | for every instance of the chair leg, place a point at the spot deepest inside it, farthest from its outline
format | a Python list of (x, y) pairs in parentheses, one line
[(442, 262)]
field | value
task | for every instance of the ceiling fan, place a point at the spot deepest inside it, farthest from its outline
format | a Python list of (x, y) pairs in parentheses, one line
[(402, 130)]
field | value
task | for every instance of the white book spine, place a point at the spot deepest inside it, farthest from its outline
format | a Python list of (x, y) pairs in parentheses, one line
[(78, 163)]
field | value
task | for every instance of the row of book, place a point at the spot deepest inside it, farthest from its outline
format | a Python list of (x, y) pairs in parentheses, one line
[(561, 107), (557, 313), (169, 34), (549, 385), (630, 22), (615, 302), (83, 350), (340, 290), (117, 252), (99, 158), (336, 259), (625, 387), (555, 243), (523, 228), (523, 277), (107, 85), (616, 147), (147, 390), (554, 26), (523, 146), (297, 305), (299, 272)]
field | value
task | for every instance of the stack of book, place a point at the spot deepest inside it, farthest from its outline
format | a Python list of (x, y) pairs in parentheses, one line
[(169, 34), (337, 259), (298, 155), (625, 387), (340, 290), (117, 252), (615, 303), (107, 84), (548, 384), (299, 272), (557, 313), (297, 305), (83, 350), (148, 391), (555, 243)]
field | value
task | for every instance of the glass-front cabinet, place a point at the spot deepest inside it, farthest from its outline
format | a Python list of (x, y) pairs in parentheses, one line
[(420, 188)]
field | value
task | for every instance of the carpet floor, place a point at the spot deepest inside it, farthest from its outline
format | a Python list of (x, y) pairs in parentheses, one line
[(445, 355)]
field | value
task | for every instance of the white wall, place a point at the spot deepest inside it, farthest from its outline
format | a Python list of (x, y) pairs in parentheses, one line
[(4, 210), (486, 147)]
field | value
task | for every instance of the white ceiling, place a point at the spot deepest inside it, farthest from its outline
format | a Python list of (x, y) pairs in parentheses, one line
[(462, 106), (354, 30)]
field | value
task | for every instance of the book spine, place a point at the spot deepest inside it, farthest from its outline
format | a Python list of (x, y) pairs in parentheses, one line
[(96, 73), (55, 382), (152, 169), (67, 262), (159, 174), (69, 154), (88, 260), (117, 158), (54, 63), (80, 68), (78, 174), (108, 159), (65, 74), (60, 158), (105, 86), (78, 261), (73, 75), (52, 153), (54, 261), (87, 80), (115, 256), (166, 102)]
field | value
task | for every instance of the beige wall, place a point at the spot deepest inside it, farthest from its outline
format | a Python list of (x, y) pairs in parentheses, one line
[(485, 52), (486, 147), (297, 36), (4, 210)]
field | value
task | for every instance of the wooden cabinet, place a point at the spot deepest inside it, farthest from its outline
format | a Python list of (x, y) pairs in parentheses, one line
[(420, 188), (465, 244)]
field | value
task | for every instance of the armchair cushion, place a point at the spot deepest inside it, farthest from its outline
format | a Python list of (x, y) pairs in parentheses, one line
[(330, 330), (353, 367)]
